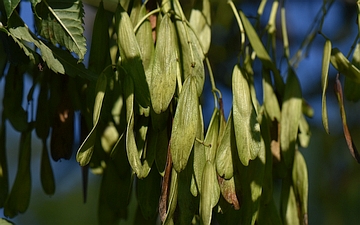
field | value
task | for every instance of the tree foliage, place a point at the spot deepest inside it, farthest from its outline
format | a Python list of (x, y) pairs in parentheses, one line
[(142, 126)]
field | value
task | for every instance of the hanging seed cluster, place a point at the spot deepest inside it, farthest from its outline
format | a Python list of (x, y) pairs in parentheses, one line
[(141, 117)]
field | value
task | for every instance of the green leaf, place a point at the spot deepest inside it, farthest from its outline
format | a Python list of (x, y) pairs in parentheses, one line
[(290, 117), (165, 66), (185, 124), (16, 51), (247, 128), (58, 60), (10, 6), (5, 222), (61, 22)]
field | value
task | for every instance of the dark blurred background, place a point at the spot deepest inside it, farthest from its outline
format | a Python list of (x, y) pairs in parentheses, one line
[(334, 181)]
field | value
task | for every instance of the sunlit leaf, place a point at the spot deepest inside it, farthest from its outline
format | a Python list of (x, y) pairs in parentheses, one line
[(61, 22)]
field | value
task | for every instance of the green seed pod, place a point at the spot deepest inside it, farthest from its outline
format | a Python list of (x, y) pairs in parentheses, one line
[(324, 82), (191, 55), (163, 76), (268, 214), (172, 199), (288, 205), (99, 56), (290, 117), (46, 172), (300, 184), (13, 96), (114, 195), (342, 64), (156, 148), (4, 175), (246, 126), (86, 149), (227, 188), (210, 193), (270, 101), (148, 193), (42, 125), (146, 43), (131, 56), (19, 197), (134, 152), (199, 157), (227, 145), (211, 138), (200, 20), (184, 125), (352, 89)]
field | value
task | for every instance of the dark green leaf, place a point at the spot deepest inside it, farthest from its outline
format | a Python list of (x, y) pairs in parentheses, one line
[(10, 6), (61, 22)]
